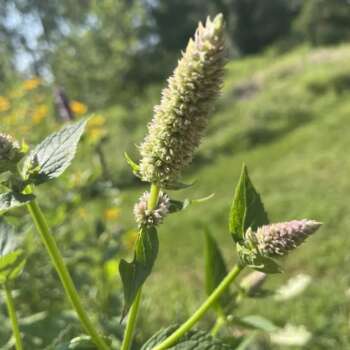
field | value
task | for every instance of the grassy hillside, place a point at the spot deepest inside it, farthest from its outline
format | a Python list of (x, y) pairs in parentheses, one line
[(288, 118)]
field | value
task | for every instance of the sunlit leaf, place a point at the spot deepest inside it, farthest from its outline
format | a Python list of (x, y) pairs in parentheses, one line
[(12, 259), (52, 156), (257, 322), (9, 200)]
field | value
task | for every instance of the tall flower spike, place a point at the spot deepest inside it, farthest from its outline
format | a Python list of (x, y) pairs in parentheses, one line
[(181, 117), (10, 152), (279, 239)]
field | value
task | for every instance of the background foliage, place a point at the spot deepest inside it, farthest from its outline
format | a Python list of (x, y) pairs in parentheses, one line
[(284, 111)]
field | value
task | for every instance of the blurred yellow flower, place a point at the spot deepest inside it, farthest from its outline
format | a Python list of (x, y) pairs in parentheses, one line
[(39, 114), (4, 104), (78, 107), (23, 129), (96, 134), (111, 214), (96, 121), (83, 213), (31, 84)]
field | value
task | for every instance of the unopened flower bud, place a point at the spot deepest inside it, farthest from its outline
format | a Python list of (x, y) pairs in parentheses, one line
[(10, 152), (278, 239), (181, 117), (146, 217), (253, 282)]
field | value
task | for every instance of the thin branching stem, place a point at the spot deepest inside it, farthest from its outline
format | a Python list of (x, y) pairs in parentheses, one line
[(130, 327), (220, 321), (13, 317), (213, 297), (63, 273)]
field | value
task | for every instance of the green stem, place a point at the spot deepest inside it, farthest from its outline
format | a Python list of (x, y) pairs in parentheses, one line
[(12, 314), (129, 330), (220, 321), (213, 297), (63, 273), (153, 198)]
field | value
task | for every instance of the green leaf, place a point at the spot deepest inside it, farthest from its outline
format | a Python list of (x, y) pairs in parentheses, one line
[(243, 345), (215, 271), (12, 260), (134, 166), (265, 264), (175, 186), (193, 340), (52, 156), (257, 322), (135, 273), (11, 266), (158, 337), (251, 258), (247, 209), (176, 205), (9, 200)]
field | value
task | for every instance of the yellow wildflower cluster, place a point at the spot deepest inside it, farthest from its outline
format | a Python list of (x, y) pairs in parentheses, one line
[(111, 214), (78, 108), (96, 128), (31, 84), (39, 114), (4, 104)]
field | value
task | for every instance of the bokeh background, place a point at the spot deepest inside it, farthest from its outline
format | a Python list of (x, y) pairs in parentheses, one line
[(284, 111)]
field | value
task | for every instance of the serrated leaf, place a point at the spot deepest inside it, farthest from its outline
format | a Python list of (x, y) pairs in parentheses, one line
[(54, 154), (158, 337), (135, 273), (215, 271), (134, 166), (12, 260), (9, 200), (247, 209), (257, 322), (193, 340)]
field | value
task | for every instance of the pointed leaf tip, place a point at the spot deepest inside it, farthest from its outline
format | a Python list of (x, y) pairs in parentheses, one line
[(247, 209)]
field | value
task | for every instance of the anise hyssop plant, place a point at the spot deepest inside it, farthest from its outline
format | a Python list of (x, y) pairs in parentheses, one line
[(174, 133)]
